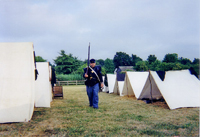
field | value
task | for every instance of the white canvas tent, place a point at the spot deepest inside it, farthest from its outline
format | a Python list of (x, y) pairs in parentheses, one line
[(43, 92), (118, 87), (150, 89), (179, 89), (134, 83), (111, 82), (105, 88), (17, 82), (50, 86)]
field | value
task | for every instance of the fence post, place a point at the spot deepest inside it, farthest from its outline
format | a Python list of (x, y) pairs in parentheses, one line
[(76, 82)]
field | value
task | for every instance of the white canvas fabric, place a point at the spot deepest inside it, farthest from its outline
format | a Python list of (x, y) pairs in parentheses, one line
[(111, 82), (180, 89), (118, 87), (17, 82), (134, 83), (43, 92), (150, 89), (105, 88)]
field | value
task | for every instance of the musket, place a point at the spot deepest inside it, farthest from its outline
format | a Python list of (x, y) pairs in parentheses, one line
[(88, 58)]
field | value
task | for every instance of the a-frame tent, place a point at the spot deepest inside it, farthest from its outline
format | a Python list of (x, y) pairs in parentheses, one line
[(134, 83), (179, 89), (150, 89), (17, 82), (119, 84), (118, 87), (105, 88), (43, 89), (111, 82)]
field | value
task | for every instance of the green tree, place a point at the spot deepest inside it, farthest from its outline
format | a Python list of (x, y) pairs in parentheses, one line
[(135, 59), (166, 66), (141, 66), (66, 64), (195, 65), (39, 59), (80, 69), (195, 61), (100, 62), (171, 58), (109, 66), (185, 61), (155, 66), (103, 71), (177, 66), (121, 59), (151, 58)]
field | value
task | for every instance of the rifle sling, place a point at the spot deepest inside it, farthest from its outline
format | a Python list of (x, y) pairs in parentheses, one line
[(95, 73)]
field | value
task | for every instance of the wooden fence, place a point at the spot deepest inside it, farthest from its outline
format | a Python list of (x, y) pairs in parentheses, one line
[(75, 82)]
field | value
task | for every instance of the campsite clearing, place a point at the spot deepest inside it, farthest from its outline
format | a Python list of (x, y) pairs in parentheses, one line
[(116, 116)]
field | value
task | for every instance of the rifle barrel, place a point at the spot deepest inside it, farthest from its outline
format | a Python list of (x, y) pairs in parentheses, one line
[(88, 57)]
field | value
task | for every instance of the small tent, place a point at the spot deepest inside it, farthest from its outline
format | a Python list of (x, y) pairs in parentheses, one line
[(17, 82), (179, 89), (119, 84), (150, 90), (111, 82), (43, 89), (134, 83), (105, 88), (118, 87)]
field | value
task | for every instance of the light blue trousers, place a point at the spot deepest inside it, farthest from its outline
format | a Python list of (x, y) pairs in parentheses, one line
[(92, 93)]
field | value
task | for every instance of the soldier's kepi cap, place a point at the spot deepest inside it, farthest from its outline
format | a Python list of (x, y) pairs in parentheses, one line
[(92, 61)]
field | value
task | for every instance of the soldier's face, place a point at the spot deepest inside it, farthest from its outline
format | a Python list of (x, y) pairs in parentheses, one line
[(92, 65)]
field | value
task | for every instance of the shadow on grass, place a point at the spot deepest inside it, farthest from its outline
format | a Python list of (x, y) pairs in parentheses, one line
[(38, 115)]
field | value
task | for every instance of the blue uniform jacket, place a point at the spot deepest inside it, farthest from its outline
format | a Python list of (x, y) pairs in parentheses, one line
[(92, 78)]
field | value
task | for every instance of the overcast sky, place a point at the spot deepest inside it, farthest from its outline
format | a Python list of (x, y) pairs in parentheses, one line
[(140, 27)]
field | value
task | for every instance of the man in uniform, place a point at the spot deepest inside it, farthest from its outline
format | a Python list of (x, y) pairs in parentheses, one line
[(94, 78)]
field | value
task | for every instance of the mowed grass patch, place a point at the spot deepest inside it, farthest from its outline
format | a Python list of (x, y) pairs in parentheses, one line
[(116, 116)]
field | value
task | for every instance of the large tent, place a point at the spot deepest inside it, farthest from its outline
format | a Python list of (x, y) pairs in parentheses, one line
[(43, 92), (111, 82), (17, 82), (179, 89), (134, 83)]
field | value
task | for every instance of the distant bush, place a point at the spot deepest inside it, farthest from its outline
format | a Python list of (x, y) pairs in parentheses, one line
[(69, 77)]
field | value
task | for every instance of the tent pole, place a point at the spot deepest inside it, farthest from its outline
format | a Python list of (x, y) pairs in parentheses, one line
[(126, 82), (150, 87)]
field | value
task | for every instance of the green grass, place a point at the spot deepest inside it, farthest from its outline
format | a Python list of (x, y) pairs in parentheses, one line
[(116, 116)]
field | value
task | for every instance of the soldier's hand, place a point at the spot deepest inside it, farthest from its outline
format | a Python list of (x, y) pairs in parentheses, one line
[(102, 85), (86, 75)]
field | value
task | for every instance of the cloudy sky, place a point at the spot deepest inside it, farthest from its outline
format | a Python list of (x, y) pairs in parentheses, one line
[(140, 27)]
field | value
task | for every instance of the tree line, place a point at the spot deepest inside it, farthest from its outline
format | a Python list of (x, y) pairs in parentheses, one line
[(68, 64)]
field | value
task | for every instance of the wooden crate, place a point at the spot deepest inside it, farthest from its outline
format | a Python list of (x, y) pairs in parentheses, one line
[(57, 91)]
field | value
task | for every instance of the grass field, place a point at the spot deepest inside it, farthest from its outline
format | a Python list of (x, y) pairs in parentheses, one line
[(116, 116)]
